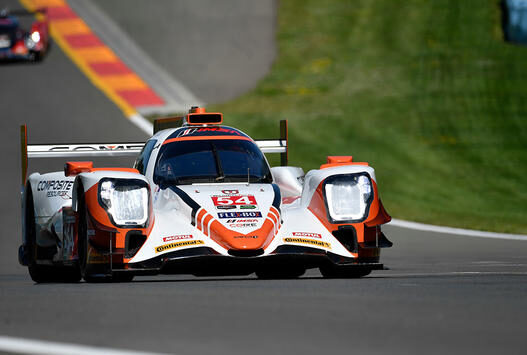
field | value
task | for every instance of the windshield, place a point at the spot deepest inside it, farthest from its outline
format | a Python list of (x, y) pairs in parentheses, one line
[(210, 161)]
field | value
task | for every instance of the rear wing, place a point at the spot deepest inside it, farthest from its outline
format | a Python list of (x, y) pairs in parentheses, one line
[(93, 150), (88, 150)]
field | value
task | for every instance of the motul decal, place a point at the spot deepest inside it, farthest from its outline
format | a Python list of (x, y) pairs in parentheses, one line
[(177, 237), (233, 200), (305, 234)]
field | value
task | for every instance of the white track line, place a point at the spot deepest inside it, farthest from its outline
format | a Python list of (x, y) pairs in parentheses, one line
[(456, 231), (142, 123), (27, 346)]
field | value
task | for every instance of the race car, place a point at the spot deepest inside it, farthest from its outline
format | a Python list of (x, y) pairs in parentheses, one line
[(201, 199), (17, 43)]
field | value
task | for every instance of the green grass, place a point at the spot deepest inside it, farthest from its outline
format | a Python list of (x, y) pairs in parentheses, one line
[(426, 91)]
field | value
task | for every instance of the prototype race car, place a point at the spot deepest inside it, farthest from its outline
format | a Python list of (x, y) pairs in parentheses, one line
[(19, 44), (202, 200)]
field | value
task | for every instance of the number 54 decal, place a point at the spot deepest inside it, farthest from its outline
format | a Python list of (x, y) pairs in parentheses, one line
[(233, 200)]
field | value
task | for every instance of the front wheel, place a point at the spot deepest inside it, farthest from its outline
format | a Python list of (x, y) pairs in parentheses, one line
[(42, 273)]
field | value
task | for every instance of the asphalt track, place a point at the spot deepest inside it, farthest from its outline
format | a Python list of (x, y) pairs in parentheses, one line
[(442, 294)]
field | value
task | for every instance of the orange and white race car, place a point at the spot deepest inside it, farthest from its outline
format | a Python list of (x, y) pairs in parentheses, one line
[(202, 200)]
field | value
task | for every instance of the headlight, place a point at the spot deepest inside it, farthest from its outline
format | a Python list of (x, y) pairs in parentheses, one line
[(348, 197), (126, 201), (35, 36), (30, 44)]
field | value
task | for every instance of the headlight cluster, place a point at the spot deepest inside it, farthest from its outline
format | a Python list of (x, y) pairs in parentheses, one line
[(32, 40), (126, 201), (348, 197)]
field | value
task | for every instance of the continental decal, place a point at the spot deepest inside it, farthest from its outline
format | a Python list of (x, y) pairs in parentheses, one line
[(317, 243), (186, 243)]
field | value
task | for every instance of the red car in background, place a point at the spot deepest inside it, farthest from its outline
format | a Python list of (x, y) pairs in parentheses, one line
[(16, 43)]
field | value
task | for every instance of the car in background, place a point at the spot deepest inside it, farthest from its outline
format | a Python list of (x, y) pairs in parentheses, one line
[(17, 43)]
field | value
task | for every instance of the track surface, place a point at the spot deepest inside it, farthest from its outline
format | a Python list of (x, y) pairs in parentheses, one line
[(441, 294), (217, 49)]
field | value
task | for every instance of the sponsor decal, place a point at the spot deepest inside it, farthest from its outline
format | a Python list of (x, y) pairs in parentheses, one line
[(177, 237), (230, 192), (205, 130), (91, 232), (305, 234), (243, 225), (247, 207), (245, 237), (226, 207), (55, 188), (317, 243), (94, 257), (187, 243), (95, 147), (242, 221), (238, 200), (255, 214)]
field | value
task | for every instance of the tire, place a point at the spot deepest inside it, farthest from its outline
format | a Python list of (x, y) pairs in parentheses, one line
[(42, 273), (82, 241), (85, 270), (344, 272), (280, 273)]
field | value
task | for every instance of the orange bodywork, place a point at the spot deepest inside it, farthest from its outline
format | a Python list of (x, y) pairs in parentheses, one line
[(207, 138), (366, 230), (73, 168), (103, 228), (341, 160), (230, 239)]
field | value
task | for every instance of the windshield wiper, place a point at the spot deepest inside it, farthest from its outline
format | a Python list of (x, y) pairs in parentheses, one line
[(221, 174)]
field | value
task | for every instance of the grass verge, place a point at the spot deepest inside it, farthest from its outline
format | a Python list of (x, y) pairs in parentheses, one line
[(426, 91)]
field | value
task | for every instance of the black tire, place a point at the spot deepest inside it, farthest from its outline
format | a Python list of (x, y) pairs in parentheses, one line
[(38, 57), (82, 242), (85, 270), (280, 273), (344, 272), (42, 273)]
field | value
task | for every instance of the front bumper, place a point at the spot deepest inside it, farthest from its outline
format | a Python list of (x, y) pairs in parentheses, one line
[(204, 261), (9, 55)]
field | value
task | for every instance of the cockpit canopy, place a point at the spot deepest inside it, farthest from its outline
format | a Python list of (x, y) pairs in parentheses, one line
[(183, 162)]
